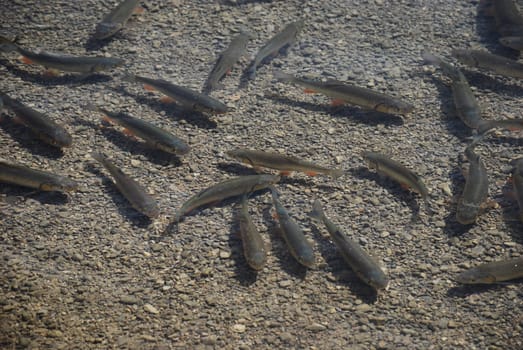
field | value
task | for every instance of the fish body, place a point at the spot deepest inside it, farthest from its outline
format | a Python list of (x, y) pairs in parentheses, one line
[(226, 189), (509, 21), (493, 272), (486, 60), (187, 98), (115, 20), (252, 242), (280, 162), (365, 267), (514, 42), (154, 136), (286, 37), (297, 243), (517, 183), (135, 193), (476, 189), (465, 102), (46, 129), (345, 93), (397, 171), (21, 175), (227, 59)]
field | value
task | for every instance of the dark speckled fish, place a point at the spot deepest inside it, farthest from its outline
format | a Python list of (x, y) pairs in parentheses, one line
[(187, 98), (367, 269), (46, 129), (298, 245), (21, 175), (493, 272), (115, 20), (135, 193)]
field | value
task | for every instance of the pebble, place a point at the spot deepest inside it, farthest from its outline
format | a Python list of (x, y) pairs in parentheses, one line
[(129, 300), (151, 309), (238, 328), (316, 327)]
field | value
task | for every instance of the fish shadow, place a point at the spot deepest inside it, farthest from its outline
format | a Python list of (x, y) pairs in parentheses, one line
[(43, 197), (28, 140), (173, 110), (466, 290), (286, 261), (236, 168), (93, 44), (243, 273), (65, 79), (453, 123), (486, 83), (487, 33), (510, 213), (406, 196), (340, 270), (123, 206)]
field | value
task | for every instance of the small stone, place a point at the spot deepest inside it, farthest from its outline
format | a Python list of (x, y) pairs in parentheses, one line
[(285, 283), (238, 328), (210, 340), (363, 308), (225, 255), (129, 300), (316, 327), (151, 309)]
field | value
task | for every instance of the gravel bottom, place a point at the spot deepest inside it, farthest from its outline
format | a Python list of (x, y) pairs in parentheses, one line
[(87, 271)]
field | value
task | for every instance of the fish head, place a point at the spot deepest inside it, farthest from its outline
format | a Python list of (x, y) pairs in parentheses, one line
[(307, 258), (62, 184), (370, 158), (378, 280), (150, 209), (398, 108), (237, 154), (105, 30), (61, 138), (466, 213), (109, 63)]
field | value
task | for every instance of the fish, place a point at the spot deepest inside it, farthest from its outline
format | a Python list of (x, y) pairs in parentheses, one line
[(365, 267), (465, 102), (297, 243), (229, 188), (475, 191), (60, 62), (342, 93), (187, 98), (152, 135), (507, 124), (135, 193), (252, 242), (399, 173), (281, 162), (46, 129), (115, 20), (17, 174), (509, 21), (492, 272), (514, 42), (227, 59), (285, 38), (517, 183), (486, 60)]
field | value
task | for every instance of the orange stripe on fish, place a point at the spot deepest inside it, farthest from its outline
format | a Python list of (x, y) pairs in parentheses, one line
[(148, 87), (311, 173), (25, 60), (309, 91), (337, 102), (167, 99)]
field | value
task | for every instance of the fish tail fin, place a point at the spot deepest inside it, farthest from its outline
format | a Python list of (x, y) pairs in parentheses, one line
[(282, 76), (7, 45), (317, 211)]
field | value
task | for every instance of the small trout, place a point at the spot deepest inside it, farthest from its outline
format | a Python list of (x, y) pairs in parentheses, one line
[(113, 22), (365, 267), (21, 175), (476, 189), (398, 172), (152, 135), (187, 98), (252, 242), (227, 59), (486, 60), (298, 245), (281, 162), (342, 93), (75, 64), (46, 129), (135, 193), (226, 189), (493, 272), (509, 21), (286, 37)]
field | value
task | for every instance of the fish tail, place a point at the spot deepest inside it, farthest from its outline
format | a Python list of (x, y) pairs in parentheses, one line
[(7, 45), (453, 72), (98, 156), (282, 76), (317, 211), (126, 76)]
